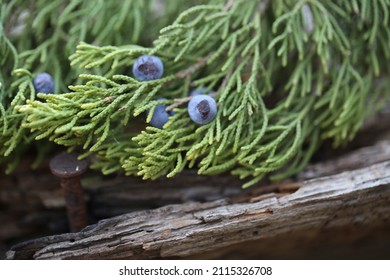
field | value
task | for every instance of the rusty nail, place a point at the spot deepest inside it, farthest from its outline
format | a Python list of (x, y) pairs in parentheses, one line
[(68, 168)]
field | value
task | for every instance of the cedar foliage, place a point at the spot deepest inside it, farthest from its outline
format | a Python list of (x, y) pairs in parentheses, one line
[(287, 75)]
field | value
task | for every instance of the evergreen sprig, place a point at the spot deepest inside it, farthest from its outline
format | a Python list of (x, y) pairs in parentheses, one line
[(39, 37), (286, 75)]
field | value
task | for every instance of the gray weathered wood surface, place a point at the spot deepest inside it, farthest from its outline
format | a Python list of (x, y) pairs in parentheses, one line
[(353, 199)]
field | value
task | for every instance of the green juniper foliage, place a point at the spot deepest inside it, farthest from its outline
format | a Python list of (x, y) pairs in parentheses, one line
[(286, 75), (39, 36)]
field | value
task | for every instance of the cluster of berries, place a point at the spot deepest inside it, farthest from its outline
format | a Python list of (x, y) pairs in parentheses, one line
[(202, 108)]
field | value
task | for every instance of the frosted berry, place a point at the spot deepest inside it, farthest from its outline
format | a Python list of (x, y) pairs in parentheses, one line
[(199, 91), (308, 20), (202, 109), (148, 67), (43, 83), (160, 115)]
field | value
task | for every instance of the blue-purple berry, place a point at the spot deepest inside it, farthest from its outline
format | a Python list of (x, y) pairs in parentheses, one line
[(43, 83), (160, 115), (202, 109), (147, 68), (199, 91)]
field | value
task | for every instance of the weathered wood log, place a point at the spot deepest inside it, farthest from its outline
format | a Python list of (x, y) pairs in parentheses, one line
[(354, 200), (43, 204), (358, 158)]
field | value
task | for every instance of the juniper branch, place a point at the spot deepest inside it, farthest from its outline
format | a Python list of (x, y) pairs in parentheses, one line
[(39, 36), (286, 74)]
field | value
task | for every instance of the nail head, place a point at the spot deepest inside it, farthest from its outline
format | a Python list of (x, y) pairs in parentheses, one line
[(66, 165)]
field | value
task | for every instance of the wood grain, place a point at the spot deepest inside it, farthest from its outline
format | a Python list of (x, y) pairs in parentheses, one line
[(356, 198)]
